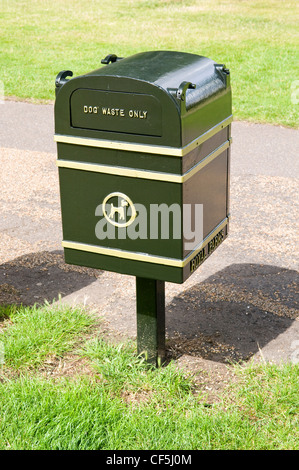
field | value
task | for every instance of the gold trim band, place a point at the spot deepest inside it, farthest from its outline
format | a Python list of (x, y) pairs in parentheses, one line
[(144, 148), (145, 174), (143, 256), (206, 240)]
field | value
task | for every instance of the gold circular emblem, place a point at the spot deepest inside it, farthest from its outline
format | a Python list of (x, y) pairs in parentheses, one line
[(120, 210)]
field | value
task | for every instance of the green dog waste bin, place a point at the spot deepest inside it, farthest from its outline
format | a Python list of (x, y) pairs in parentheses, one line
[(144, 156)]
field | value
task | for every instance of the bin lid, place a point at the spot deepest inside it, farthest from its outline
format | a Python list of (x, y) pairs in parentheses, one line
[(170, 84)]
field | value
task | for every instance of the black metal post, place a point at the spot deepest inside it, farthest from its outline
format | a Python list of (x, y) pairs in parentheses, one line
[(150, 306)]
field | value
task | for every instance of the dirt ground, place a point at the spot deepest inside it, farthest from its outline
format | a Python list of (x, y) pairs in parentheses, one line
[(240, 305)]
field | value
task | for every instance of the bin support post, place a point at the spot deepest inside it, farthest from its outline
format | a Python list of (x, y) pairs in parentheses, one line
[(150, 306)]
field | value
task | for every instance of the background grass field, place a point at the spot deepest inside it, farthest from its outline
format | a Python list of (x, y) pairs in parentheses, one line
[(257, 40)]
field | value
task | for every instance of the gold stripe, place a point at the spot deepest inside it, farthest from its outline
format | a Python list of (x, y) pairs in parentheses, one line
[(151, 175), (208, 159), (119, 171), (207, 135), (117, 145), (143, 256), (121, 253), (206, 240), (144, 148)]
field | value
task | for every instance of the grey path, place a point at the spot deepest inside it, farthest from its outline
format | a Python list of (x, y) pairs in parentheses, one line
[(241, 304)]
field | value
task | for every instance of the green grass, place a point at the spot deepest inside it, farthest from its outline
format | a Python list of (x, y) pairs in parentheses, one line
[(125, 372), (31, 334), (257, 40), (123, 403)]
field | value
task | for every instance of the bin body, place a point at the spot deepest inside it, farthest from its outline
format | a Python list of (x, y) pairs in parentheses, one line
[(142, 143)]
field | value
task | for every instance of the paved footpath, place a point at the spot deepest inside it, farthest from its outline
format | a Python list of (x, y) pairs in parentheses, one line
[(242, 303)]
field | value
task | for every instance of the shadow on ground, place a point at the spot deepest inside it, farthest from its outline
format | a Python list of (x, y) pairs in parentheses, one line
[(229, 317), (234, 313), (36, 277)]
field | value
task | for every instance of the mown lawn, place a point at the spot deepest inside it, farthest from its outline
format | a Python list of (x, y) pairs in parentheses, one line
[(116, 401), (257, 40)]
